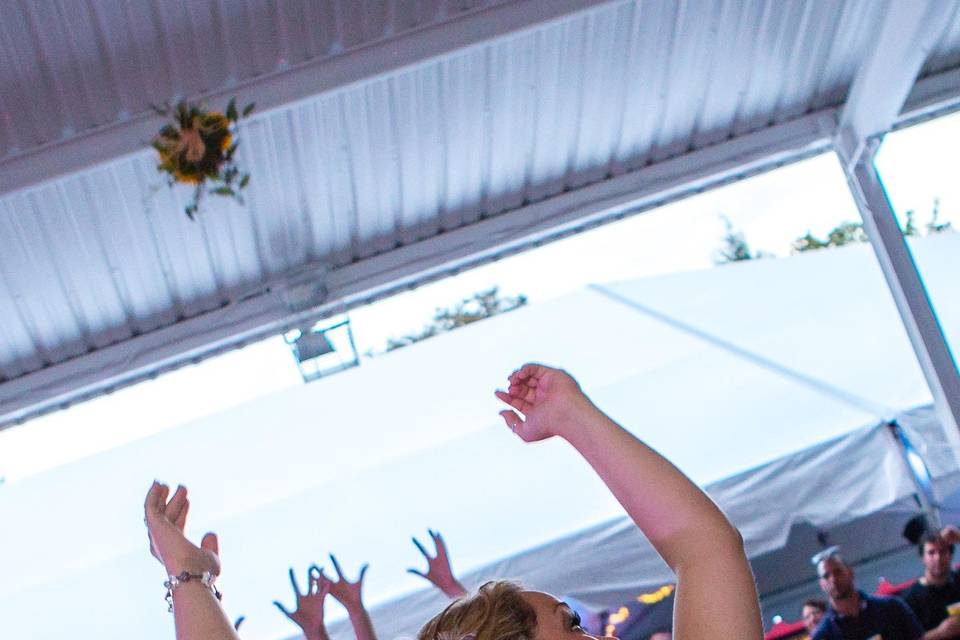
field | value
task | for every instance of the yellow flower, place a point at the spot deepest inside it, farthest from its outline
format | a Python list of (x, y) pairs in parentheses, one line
[(190, 178)]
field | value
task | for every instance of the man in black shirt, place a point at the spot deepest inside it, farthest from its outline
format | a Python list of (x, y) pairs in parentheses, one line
[(852, 614), (937, 593)]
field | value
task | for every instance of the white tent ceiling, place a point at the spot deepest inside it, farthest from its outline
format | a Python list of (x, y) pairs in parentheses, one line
[(395, 142), (322, 467)]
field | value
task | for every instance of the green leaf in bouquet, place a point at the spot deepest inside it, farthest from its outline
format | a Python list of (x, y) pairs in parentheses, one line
[(247, 110), (232, 110)]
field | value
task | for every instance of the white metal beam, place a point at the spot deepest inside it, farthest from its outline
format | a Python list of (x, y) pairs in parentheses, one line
[(932, 97), (886, 76), (878, 94), (299, 82), (906, 287), (293, 302)]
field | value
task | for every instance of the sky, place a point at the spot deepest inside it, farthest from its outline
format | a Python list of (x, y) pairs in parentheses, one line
[(917, 165)]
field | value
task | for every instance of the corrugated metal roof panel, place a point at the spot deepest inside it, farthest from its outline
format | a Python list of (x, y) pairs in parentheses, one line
[(93, 258), (946, 54), (79, 65)]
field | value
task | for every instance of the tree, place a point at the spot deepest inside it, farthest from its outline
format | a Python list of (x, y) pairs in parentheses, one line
[(808, 242), (735, 246), (934, 226), (481, 305), (851, 232), (910, 228), (842, 234)]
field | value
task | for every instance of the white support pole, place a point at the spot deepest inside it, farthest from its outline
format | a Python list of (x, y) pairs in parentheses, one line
[(906, 284)]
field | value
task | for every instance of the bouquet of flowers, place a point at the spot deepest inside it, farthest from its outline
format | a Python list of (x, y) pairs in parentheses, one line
[(197, 148)]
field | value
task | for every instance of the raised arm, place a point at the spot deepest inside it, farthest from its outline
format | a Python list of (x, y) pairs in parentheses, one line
[(716, 595), (197, 612)]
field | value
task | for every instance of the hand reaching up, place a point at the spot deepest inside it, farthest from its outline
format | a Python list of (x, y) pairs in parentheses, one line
[(549, 399), (165, 522), (439, 572), (308, 611), (346, 593)]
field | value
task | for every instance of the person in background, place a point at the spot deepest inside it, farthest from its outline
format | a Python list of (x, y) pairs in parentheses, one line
[(687, 529), (935, 597), (852, 614), (812, 613), (308, 612)]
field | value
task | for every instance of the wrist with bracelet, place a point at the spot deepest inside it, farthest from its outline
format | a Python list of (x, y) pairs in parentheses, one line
[(206, 578)]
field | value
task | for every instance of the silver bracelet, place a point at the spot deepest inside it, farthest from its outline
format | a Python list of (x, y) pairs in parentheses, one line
[(206, 579)]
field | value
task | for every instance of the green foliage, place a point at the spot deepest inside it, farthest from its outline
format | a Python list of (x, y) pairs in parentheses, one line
[(843, 234), (481, 305), (910, 228), (735, 247), (852, 232), (809, 242), (935, 226)]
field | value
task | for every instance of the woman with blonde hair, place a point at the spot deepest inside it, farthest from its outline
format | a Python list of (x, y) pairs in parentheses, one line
[(715, 597)]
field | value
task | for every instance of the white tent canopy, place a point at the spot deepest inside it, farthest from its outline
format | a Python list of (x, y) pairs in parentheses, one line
[(607, 565), (357, 462)]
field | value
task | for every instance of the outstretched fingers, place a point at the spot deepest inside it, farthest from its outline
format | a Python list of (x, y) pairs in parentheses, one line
[(294, 583), (181, 519), (511, 418), (211, 543), (514, 399), (283, 609), (319, 583), (176, 510), (439, 543), (176, 502), (336, 567), (421, 548), (157, 498)]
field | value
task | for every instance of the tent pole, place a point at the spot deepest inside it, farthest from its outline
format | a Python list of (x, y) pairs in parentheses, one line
[(919, 473)]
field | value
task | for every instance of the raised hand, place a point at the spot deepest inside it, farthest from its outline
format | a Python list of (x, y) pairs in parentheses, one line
[(345, 592), (439, 572), (165, 521), (308, 614), (549, 399)]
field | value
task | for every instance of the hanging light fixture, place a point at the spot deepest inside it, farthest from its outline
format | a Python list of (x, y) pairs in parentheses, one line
[(323, 349), (311, 344)]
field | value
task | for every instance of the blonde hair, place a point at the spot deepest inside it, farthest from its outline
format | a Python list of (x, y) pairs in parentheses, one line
[(495, 612)]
